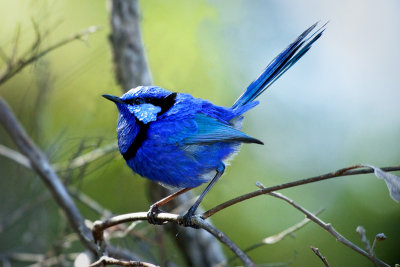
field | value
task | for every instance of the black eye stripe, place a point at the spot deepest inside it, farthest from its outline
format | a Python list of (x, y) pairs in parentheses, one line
[(139, 101), (128, 101), (136, 101), (164, 103)]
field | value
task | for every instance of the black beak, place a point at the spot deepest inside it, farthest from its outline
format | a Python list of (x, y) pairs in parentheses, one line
[(114, 99)]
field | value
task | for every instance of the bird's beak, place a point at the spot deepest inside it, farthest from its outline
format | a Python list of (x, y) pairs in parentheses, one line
[(114, 99)]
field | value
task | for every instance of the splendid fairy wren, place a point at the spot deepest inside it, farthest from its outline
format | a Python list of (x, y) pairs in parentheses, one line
[(181, 141)]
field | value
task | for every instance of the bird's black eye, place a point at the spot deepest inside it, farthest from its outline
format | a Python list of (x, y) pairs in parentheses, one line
[(139, 101)]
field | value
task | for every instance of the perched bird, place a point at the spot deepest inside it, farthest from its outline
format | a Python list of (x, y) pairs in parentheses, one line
[(182, 142)]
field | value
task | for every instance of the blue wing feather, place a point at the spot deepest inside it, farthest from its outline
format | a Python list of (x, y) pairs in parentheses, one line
[(211, 130)]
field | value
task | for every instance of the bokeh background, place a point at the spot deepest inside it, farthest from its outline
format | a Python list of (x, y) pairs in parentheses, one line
[(337, 107)]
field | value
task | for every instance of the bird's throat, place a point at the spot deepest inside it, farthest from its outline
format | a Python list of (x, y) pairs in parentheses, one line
[(137, 142)]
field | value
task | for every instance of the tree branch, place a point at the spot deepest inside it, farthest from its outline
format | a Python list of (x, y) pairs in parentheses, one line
[(105, 260), (339, 173), (100, 226), (125, 218), (40, 164), (320, 256), (42, 167)]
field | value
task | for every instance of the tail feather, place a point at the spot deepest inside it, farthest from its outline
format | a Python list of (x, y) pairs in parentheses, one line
[(286, 59)]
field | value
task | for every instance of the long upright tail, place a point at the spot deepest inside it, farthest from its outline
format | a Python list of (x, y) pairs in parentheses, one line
[(280, 65)]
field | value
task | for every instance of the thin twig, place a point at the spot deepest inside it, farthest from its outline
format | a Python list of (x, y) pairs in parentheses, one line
[(3, 55), (13, 68), (14, 51), (85, 159), (89, 202), (100, 226), (363, 235), (104, 261), (329, 228), (319, 255), (273, 239), (224, 239), (77, 162), (370, 249), (15, 156), (278, 237), (342, 172)]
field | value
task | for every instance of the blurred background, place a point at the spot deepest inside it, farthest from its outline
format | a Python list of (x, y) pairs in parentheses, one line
[(337, 107)]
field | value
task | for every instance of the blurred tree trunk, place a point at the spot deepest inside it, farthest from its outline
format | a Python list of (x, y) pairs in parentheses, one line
[(131, 69), (129, 57)]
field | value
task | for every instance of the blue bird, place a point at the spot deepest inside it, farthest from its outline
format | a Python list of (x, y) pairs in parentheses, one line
[(182, 142)]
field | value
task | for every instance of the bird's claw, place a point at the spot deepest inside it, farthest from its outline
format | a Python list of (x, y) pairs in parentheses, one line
[(187, 219), (153, 211)]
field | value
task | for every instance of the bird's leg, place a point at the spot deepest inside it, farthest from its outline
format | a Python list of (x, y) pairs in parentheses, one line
[(155, 208), (191, 211)]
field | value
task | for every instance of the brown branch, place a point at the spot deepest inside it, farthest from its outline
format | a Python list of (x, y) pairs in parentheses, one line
[(16, 65), (104, 261), (100, 226), (319, 255), (339, 173), (330, 229)]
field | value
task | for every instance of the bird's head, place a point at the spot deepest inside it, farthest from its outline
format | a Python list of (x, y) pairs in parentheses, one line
[(145, 103)]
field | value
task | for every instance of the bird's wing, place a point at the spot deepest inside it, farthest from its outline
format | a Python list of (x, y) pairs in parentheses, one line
[(211, 130)]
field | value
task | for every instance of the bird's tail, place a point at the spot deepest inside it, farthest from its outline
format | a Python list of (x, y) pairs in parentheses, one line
[(280, 65)]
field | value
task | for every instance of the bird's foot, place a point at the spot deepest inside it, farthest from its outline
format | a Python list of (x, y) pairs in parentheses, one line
[(187, 219), (153, 211)]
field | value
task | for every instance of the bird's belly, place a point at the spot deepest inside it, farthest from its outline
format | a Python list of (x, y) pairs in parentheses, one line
[(181, 166)]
